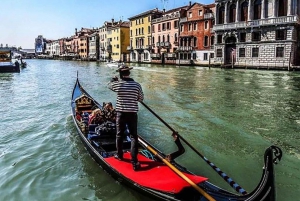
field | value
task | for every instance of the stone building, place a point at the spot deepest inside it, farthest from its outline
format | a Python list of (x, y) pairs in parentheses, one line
[(257, 33), (196, 38)]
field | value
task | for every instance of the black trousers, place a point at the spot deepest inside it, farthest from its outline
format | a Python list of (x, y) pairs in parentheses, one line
[(129, 119)]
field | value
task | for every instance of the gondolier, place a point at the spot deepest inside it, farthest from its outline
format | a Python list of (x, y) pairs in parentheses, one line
[(129, 93)]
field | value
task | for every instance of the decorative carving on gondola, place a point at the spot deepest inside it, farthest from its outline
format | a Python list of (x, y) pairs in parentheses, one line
[(275, 152), (83, 100)]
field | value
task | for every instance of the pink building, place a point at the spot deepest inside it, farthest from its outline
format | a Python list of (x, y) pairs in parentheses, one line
[(165, 35)]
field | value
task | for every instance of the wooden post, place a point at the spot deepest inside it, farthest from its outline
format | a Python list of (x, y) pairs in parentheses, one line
[(231, 59), (290, 61)]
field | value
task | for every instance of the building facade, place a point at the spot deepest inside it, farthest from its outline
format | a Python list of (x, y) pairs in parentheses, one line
[(257, 33), (93, 40), (140, 36), (165, 36), (119, 41), (196, 40)]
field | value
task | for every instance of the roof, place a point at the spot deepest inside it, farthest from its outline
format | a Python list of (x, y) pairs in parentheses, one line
[(146, 13)]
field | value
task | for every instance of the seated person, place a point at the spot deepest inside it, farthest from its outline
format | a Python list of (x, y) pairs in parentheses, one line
[(78, 116), (109, 112), (96, 117)]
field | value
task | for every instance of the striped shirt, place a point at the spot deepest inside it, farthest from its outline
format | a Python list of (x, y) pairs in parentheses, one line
[(129, 93)]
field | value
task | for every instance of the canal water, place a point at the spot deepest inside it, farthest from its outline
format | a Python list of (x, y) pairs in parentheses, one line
[(229, 116)]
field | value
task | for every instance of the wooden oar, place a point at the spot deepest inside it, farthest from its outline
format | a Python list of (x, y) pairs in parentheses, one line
[(178, 172), (232, 183)]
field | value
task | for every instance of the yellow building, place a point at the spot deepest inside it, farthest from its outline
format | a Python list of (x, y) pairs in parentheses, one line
[(140, 35), (118, 41)]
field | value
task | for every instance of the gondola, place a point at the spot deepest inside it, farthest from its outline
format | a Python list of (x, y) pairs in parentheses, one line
[(158, 177), (23, 65)]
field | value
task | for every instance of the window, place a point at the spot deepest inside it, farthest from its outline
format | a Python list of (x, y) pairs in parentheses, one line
[(153, 28), (212, 40), (176, 24), (282, 8), (242, 37), (280, 34), (279, 51), (195, 42), (212, 55), (206, 25), (255, 51), (164, 26), (244, 11), (219, 39), (182, 28), (200, 12), (175, 37), (194, 56), (190, 27), (149, 30), (195, 26), (232, 13), (159, 28), (221, 15), (257, 9), (219, 52), (205, 57), (256, 36), (190, 14), (241, 52), (205, 41), (168, 25)]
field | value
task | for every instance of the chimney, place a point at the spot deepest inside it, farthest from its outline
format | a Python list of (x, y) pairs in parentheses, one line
[(190, 3), (75, 31), (112, 20), (164, 10)]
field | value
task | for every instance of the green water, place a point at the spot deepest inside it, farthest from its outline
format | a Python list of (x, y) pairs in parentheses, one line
[(229, 116)]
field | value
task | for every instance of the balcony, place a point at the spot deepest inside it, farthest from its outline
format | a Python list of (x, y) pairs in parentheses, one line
[(148, 47), (208, 15), (257, 23), (184, 19), (138, 47), (158, 44), (162, 44), (155, 55), (185, 48), (167, 44), (167, 17), (129, 48)]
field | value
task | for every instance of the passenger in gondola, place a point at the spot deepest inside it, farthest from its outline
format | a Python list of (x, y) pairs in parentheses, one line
[(129, 93), (109, 112), (78, 116), (96, 117)]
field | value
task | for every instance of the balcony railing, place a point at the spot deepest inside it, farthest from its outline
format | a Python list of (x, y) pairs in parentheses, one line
[(129, 48), (260, 22), (185, 48), (208, 15), (167, 44), (140, 47), (158, 44), (184, 19), (155, 55), (164, 18)]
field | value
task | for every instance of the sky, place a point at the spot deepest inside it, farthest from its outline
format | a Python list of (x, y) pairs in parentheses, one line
[(23, 20)]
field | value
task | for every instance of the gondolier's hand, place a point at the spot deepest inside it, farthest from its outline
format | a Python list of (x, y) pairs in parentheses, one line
[(114, 79)]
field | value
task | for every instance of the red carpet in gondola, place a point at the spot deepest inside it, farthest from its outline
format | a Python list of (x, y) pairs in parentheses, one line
[(152, 174)]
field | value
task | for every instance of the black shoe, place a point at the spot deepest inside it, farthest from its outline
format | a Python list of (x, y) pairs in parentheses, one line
[(136, 166), (116, 156)]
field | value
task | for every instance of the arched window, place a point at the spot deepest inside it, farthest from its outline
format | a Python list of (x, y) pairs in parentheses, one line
[(257, 9), (221, 15), (159, 39), (244, 11), (195, 42), (168, 38), (175, 37), (232, 13), (282, 8), (163, 38), (206, 24), (205, 41), (212, 40)]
